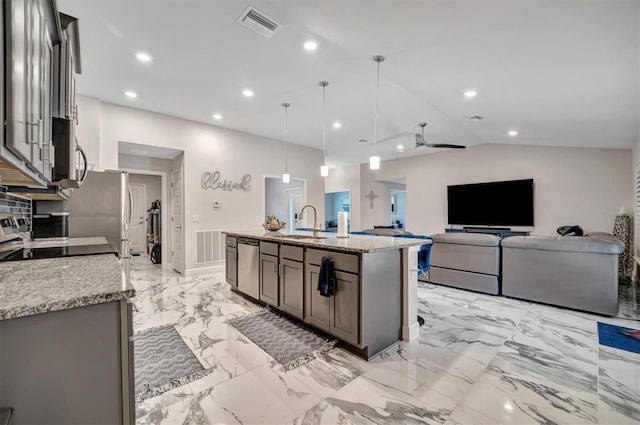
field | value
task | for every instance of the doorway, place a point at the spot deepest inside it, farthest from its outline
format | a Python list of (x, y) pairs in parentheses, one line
[(399, 208), (334, 202), (137, 221), (285, 200), (177, 250)]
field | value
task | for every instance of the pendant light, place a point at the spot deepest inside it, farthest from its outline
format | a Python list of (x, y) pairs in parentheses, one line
[(374, 160), (285, 176), (324, 169)]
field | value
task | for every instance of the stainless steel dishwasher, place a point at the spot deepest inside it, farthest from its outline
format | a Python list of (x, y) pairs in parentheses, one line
[(249, 266)]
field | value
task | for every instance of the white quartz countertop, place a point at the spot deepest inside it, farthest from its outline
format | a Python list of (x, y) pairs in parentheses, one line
[(56, 242), (354, 243), (42, 286)]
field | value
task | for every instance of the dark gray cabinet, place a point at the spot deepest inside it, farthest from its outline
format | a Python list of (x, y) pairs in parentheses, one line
[(231, 266), (317, 308), (338, 314), (269, 279), (231, 261), (292, 287)]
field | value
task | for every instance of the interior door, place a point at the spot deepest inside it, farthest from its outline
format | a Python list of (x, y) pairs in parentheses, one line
[(137, 227), (176, 221), (295, 195)]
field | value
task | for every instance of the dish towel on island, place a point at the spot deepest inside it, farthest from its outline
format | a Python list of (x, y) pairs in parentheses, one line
[(327, 277)]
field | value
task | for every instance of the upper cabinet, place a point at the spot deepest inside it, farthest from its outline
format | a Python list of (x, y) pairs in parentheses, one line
[(42, 56)]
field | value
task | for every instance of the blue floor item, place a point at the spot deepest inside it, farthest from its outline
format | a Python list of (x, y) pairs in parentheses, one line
[(617, 337)]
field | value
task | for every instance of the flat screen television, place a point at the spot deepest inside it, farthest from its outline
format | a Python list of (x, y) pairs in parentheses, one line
[(507, 203)]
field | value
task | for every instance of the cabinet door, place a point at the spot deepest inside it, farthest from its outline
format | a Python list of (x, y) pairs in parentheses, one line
[(292, 287), (269, 279), (47, 101), (16, 77), (317, 309), (35, 87), (231, 266), (345, 309)]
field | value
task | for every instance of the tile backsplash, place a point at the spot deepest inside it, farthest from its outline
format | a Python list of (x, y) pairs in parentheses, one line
[(14, 206)]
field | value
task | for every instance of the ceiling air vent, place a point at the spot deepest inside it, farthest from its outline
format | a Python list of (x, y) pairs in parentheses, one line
[(259, 22)]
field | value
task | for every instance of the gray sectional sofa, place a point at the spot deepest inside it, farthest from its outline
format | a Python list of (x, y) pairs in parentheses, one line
[(467, 261), (579, 272)]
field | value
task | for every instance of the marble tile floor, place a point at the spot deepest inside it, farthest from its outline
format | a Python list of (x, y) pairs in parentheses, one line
[(479, 360)]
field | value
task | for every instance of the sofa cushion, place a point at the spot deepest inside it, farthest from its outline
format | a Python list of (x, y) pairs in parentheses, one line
[(477, 239), (593, 244)]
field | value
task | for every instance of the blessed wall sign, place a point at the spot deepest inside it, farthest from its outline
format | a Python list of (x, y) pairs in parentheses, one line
[(212, 180)]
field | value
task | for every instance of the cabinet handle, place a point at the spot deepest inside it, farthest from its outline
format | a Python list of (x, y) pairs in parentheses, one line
[(35, 123), (274, 268)]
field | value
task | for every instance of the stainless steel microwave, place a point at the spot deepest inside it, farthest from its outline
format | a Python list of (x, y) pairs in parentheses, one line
[(70, 166)]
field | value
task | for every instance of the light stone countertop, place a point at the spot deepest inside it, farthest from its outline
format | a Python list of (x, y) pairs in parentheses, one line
[(354, 243), (41, 286), (57, 242)]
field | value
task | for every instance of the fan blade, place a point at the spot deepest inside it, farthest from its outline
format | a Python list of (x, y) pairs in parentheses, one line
[(445, 146)]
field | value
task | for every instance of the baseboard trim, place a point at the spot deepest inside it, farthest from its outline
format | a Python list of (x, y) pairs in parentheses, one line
[(204, 270)]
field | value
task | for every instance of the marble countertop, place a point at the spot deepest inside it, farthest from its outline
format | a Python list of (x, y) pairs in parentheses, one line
[(56, 242), (42, 286), (354, 243)]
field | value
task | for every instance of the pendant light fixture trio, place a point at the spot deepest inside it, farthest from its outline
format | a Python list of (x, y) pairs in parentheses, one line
[(285, 176), (324, 169), (374, 160)]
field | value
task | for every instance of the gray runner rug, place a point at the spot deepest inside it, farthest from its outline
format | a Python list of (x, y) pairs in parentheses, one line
[(288, 343), (162, 362)]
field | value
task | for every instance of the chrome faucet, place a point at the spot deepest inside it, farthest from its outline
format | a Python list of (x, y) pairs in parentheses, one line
[(315, 219)]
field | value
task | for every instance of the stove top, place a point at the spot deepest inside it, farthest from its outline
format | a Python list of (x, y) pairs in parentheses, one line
[(19, 254)]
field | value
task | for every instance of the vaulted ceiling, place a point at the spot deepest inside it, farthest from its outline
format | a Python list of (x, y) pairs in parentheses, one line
[(560, 72)]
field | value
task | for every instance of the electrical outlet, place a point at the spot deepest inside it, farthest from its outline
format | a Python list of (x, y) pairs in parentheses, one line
[(195, 219), (216, 204)]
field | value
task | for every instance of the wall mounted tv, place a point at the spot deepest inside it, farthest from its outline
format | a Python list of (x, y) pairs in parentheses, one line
[(507, 203)]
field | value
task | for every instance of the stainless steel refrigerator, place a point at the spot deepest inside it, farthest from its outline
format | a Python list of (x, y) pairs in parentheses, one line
[(102, 207)]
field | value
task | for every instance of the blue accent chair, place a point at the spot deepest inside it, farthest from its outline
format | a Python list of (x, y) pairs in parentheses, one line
[(363, 233), (424, 255)]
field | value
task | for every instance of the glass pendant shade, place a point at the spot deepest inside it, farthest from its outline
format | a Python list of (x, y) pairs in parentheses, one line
[(374, 162), (324, 171), (286, 178)]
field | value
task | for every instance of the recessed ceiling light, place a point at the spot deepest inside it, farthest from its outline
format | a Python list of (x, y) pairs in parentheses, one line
[(247, 93), (310, 45), (131, 94), (217, 116), (513, 133), (470, 93), (337, 125), (144, 57), (400, 147)]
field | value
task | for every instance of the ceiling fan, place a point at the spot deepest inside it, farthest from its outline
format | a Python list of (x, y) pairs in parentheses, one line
[(422, 143)]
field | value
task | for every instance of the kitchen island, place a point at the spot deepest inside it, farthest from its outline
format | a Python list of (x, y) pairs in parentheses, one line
[(65, 353), (375, 299)]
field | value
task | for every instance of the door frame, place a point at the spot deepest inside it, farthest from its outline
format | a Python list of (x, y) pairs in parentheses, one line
[(165, 207), (182, 225), (264, 192), (144, 204)]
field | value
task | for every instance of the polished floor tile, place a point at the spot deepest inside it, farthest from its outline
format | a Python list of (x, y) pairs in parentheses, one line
[(479, 359)]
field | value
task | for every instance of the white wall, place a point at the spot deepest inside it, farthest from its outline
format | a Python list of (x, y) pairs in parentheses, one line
[(210, 148), (88, 131), (347, 178), (582, 186)]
